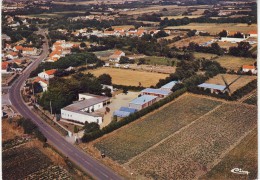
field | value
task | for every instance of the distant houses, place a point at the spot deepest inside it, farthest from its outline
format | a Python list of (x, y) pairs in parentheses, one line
[(86, 109)]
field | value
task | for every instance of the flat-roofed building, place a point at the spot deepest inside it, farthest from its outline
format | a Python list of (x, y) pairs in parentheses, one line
[(142, 102), (156, 92), (214, 88), (85, 109)]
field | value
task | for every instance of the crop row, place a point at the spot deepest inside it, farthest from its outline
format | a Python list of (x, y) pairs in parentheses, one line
[(139, 136), (14, 142), (191, 152), (21, 161), (51, 172), (252, 99)]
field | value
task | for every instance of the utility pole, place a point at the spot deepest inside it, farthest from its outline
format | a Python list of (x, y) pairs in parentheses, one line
[(50, 107)]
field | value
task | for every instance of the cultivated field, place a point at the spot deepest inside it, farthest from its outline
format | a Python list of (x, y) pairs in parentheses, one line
[(134, 139), (196, 39), (231, 62), (229, 78), (22, 161), (130, 77), (193, 151), (154, 68), (252, 99), (243, 156), (216, 28)]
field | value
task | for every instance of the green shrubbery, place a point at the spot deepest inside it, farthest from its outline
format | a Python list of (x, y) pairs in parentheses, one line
[(30, 128)]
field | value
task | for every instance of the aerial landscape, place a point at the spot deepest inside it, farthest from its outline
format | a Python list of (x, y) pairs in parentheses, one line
[(129, 89)]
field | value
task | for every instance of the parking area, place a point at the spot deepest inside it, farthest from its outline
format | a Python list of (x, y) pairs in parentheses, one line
[(117, 101)]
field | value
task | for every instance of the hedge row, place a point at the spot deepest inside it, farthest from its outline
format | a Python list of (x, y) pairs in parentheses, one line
[(115, 125), (239, 93), (133, 88)]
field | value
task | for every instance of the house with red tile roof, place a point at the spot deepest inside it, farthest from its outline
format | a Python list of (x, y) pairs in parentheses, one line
[(46, 75), (247, 68), (29, 51), (5, 66), (44, 84), (116, 56), (252, 33)]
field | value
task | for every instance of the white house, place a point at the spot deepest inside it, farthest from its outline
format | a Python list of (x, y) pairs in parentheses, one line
[(85, 109), (116, 56), (214, 88), (252, 33), (46, 75), (247, 68), (42, 82), (29, 51), (142, 102)]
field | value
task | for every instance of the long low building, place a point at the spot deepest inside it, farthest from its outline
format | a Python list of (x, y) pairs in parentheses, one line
[(142, 102), (124, 112), (85, 109), (156, 92), (214, 88)]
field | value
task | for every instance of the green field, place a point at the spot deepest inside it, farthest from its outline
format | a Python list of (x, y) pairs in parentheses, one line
[(139, 136), (199, 55), (155, 60), (193, 151)]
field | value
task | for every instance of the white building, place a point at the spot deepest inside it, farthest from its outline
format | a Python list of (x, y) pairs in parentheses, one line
[(116, 56), (46, 75), (85, 109), (42, 82), (169, 85), (142, 102), (231, 39), (247, 68)]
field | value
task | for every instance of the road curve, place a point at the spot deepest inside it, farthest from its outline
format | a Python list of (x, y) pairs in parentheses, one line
[(80, 158)]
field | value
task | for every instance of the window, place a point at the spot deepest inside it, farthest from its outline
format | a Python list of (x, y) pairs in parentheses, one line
[(97, 121)]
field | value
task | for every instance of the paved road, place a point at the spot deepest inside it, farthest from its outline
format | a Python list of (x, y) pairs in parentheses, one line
[(83, 160)]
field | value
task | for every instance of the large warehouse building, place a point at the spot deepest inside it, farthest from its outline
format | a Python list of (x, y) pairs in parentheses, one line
[(85, 109)]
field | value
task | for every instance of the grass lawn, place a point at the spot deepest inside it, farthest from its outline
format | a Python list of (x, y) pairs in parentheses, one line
[(130, 77), (199, 55), (155, 60), (235, 63)]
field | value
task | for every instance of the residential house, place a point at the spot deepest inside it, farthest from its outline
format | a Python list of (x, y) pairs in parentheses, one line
[(115, 57), (29, 51), (5, 66), (46, 75), (253, 33), (86, 109), (12, 55), (42, 82), (247, 68)]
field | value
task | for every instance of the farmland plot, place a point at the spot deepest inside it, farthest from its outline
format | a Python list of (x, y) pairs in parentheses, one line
[(193, 151), (252, 99), (52, 172), (20, 162), (139, 136)]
